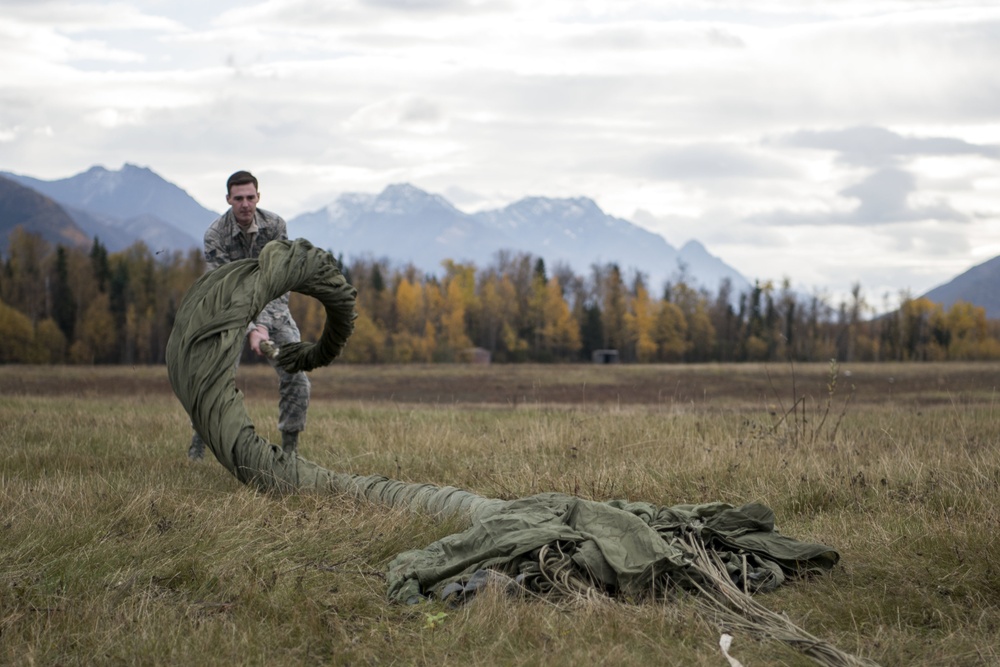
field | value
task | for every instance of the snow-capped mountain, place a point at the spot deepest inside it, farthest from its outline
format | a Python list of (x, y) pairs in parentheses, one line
[(408, 225)]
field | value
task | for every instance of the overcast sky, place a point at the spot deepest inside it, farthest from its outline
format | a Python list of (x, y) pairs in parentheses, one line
[(830, 142)]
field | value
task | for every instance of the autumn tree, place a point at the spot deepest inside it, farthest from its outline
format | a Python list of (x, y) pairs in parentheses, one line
[(96, 339), (67, 304), (17, 334), (700, 332), (489, 318), (969, 333), (50, 343), (26, 276), (640, 324), (413, 340), (367, 344), (560, 332), (504, 290), (453, 338), (670, 333), (609, 291)]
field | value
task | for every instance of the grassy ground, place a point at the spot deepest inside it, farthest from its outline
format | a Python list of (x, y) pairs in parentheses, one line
[(117, 550)]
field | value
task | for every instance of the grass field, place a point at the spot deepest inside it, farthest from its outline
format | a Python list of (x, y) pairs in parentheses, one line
[(116, 550)]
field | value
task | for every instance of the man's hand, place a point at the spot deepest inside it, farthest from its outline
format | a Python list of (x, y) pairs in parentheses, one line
[(256, 336)]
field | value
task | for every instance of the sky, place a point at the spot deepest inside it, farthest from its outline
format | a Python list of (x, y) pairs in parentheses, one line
[(831, 143)]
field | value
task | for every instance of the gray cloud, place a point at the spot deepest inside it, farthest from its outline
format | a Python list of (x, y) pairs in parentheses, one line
[(883, 198), (932, 242), (417, 5), (711, 162), (879, 147), (635, 104), (80, 17), (643, 36)]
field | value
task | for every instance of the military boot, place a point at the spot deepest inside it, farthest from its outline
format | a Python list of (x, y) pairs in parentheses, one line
[(196, 452), (289, 441)]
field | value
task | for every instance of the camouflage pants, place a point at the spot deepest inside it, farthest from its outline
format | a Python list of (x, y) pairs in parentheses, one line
[(293, 388)]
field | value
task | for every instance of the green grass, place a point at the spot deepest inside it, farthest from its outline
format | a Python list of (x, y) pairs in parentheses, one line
[(117, 550)]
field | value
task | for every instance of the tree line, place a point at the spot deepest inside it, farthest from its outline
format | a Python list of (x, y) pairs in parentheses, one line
[(66, 305)]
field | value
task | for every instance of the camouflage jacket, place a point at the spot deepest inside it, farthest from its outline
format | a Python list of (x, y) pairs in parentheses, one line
[(226, 242)]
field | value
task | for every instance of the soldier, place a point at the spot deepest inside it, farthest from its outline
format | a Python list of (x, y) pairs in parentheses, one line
[(241, 233)]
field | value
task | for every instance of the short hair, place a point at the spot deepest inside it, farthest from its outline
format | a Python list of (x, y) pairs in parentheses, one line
[(241, 178)]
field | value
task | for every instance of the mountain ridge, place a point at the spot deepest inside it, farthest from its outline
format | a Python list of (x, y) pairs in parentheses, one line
[(401, 223), (977, 286), (412, 226), (21, 206), (131, 203)]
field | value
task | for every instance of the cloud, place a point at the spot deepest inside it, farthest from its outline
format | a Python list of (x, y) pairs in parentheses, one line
[(651, 36), (879, 147), (711, 162), (421, 5), (880, 114), (411, 112), (927, 239), (73, 17), (883, 197), (382, 19)]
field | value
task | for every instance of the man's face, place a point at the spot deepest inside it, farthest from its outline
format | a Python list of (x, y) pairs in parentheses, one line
[(243, 199)]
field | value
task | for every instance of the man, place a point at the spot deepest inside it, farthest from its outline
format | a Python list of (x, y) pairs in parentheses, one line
[(241, 233)]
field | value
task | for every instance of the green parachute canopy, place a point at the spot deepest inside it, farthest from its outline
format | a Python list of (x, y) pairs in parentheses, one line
[(548, 543)]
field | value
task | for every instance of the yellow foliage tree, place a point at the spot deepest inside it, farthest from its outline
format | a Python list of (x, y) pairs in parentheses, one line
[(453, 336), (409, 303), (700, 331), (511, 341), (367, 343), (640, 325), (50, 343), (17, 335), (968, 330), (96, 338), (560, 331), (670, 332)]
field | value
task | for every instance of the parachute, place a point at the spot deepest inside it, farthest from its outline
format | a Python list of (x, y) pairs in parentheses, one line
[(550, 543)]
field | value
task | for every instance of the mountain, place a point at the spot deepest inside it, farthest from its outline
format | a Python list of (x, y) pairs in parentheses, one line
[(22, 206), (129, 204), (977, 286), (104, 228), (403, 224), (408, 225), (578, 233), (694, 259)]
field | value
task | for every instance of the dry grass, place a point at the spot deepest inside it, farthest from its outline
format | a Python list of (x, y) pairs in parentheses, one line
[(117, 550)]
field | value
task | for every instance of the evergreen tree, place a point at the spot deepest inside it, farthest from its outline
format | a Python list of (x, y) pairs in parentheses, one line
[(99, 263), (63, 303), (591, 330)]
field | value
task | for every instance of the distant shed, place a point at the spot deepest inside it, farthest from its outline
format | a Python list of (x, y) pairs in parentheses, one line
[(605, 356)]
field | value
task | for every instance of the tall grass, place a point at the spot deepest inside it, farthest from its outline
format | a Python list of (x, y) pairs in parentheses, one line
[(117, 550)]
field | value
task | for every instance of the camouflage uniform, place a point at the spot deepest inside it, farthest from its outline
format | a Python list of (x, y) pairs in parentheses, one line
[(226, 242)]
